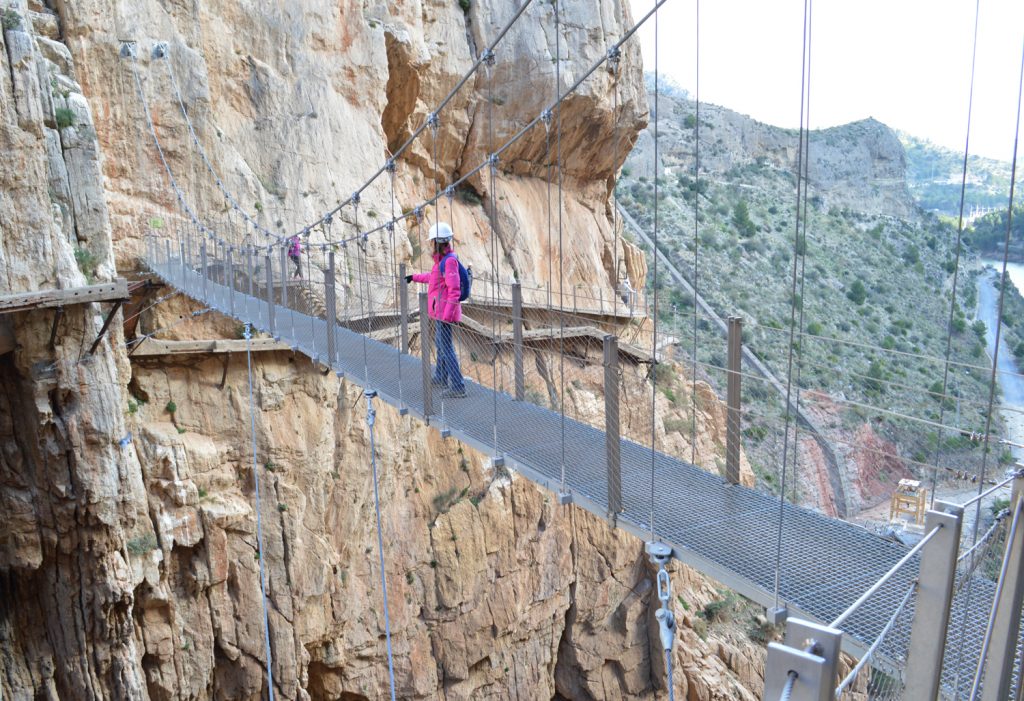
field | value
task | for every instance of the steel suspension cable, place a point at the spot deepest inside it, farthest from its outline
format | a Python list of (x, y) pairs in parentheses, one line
[(654, 336), (488, 65), (561, 271), (371, 416), (259, 511), (696, 239), (792, 314), (992, 382), (959, 236), (1003, 282), (802, 253)]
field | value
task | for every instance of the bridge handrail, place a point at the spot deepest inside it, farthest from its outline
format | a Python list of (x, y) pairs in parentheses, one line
[(869, 654), (845, 615)]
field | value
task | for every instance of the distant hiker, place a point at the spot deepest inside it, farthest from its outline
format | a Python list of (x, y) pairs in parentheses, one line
[(444, 295), (627, 293), (295, 253)]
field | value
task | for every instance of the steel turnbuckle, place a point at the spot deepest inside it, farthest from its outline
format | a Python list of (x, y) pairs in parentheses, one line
[(660, 554)]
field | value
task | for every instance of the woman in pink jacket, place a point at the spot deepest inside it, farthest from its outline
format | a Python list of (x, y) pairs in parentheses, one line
[(443, 292)]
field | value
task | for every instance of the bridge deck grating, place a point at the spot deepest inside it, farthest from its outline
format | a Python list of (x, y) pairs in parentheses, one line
[(826, 563)]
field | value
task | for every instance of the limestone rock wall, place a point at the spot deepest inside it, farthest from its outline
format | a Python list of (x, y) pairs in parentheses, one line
[(128, 565)]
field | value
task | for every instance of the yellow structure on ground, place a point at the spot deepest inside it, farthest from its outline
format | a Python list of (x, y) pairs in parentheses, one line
[(909, 502)]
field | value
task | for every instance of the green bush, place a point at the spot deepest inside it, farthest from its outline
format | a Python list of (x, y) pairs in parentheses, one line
[(979, 329), (464, 4), (142, 544), (857, 293), (814, 328), (64, 117), (741, 219), (86, 263), (171, 407), (10, 20)]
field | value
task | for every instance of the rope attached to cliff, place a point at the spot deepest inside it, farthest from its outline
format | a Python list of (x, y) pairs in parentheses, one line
[(371, 417), (259, 511)]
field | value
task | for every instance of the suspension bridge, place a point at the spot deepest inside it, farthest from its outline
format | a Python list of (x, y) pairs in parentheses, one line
[(352, 311)]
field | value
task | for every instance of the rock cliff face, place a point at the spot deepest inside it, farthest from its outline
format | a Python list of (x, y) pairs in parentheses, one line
[(128, 564)]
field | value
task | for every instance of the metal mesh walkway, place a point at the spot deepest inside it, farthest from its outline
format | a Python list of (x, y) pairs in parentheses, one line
[(725, 531)]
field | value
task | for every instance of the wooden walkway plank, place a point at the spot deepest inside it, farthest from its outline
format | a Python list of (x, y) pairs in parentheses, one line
[(44, 299)]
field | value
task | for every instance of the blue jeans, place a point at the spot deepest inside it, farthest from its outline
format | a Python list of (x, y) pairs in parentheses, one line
[(446, 372)]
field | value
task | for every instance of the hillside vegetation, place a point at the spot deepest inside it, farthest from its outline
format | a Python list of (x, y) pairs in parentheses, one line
[(935, 178), (874, 279)]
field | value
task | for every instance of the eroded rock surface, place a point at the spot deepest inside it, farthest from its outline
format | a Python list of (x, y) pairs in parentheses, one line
[(128, 546)]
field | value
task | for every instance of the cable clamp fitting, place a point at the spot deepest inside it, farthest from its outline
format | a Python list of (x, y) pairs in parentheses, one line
[(660, 554), (433, 121), (487, 56), (355, 198), (614, 56), (419, 213), (449, 192), (390, 227), (390, 165), (545, 116), (493, 160), (159, 50)]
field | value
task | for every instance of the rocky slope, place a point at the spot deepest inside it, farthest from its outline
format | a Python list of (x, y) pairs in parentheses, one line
[(874, 280), (128, 563)]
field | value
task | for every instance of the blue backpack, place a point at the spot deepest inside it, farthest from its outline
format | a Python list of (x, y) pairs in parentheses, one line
[(465, 277)]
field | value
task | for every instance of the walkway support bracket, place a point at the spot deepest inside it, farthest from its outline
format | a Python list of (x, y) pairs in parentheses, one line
[(613, 455), (57, 314), (934, 600), (733, 417), (806, 663), (332, 311), (106, 325), (426, 341), (517, 340), (1005, 631), (403, 306)]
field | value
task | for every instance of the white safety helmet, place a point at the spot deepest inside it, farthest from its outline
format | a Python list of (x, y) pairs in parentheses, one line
[(440, 232)]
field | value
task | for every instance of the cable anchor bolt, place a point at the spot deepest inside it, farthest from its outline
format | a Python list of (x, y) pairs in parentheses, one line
[(614, 56), (127, 48), (159, 50), (660, 554)]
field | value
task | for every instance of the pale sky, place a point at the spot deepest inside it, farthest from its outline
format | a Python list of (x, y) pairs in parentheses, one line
[(906, 63)]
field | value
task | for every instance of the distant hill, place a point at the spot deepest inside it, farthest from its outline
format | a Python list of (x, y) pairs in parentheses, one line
[(935, 175), (876, 268)]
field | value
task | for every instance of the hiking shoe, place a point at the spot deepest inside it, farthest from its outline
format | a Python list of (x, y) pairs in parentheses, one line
[(454, 394)]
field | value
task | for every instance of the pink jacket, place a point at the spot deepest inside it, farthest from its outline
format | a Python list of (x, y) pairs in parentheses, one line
[(442, 291)]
